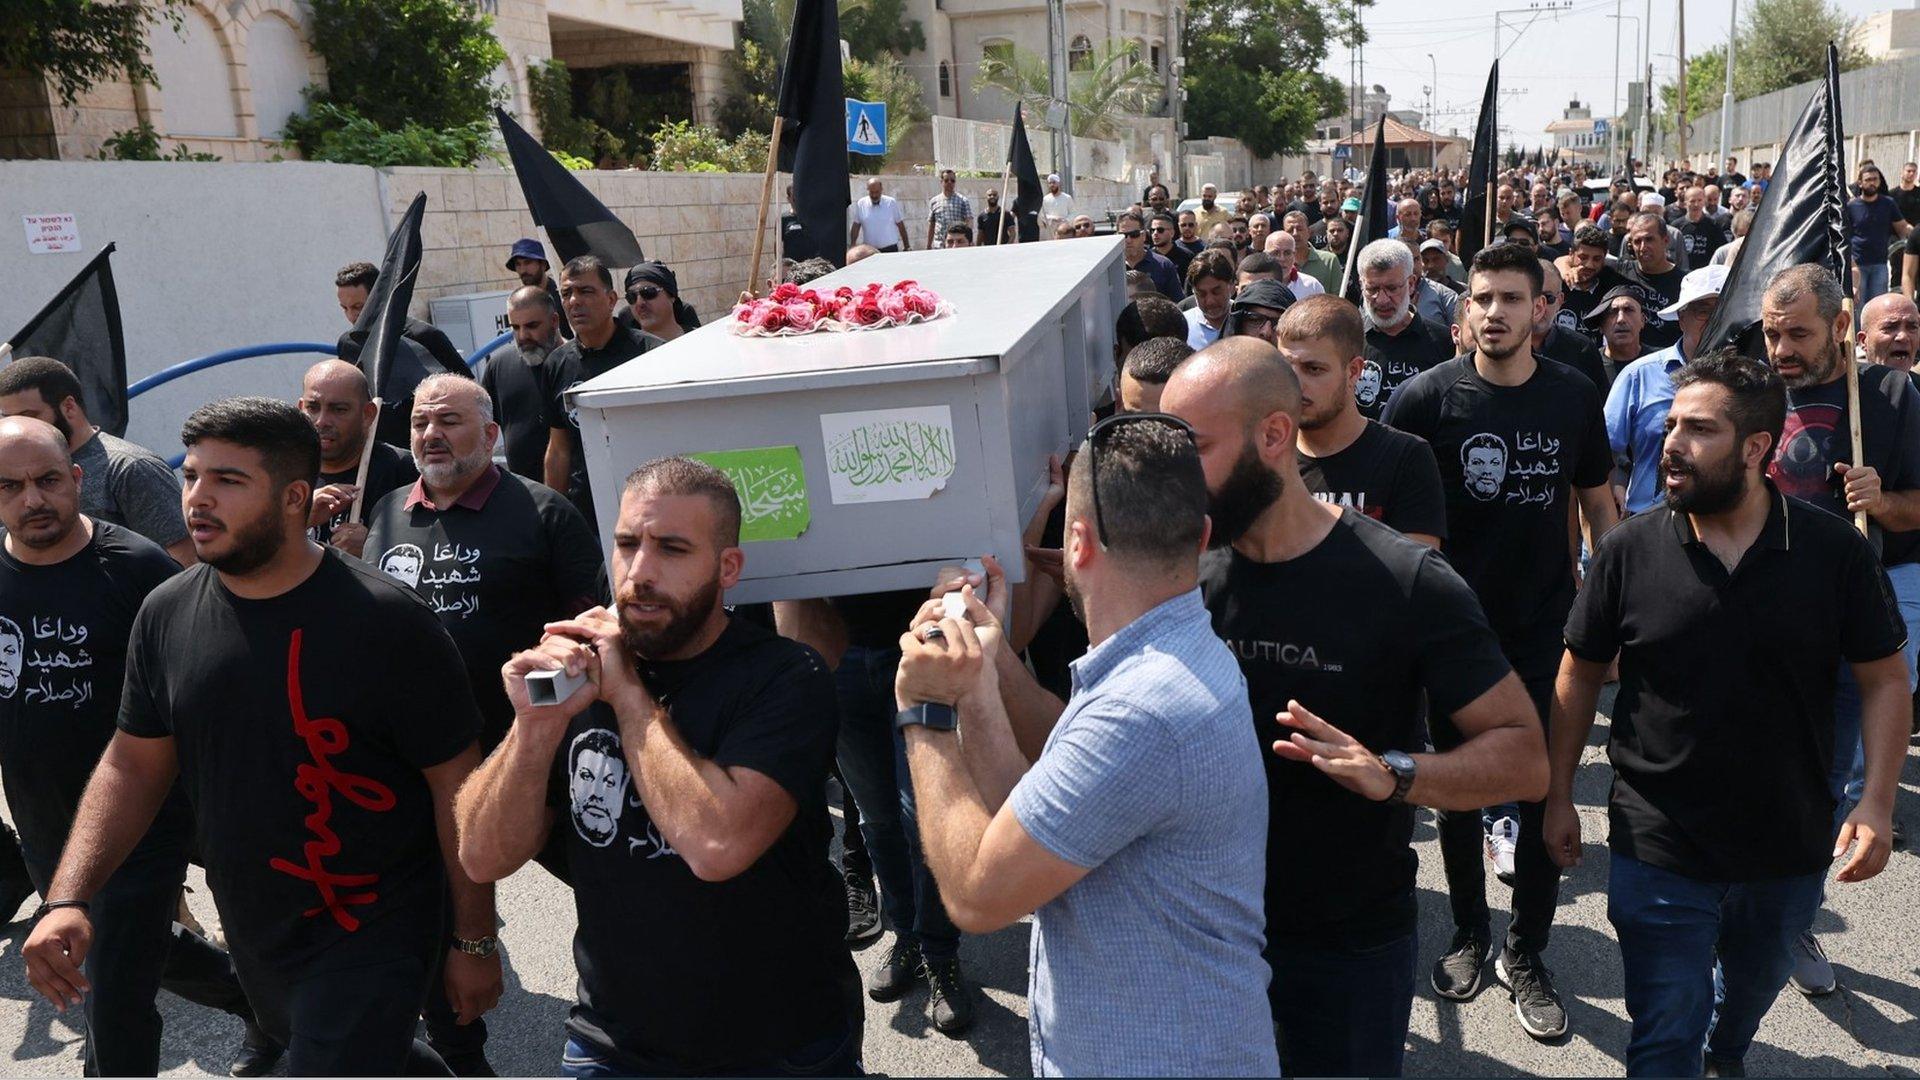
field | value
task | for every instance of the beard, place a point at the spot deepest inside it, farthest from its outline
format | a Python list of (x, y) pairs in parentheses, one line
[(56, 528), (1244, 495), (1377, 322), (684, 619), (255, 543), (1816, 372), (440, 474), (1716, 489), (535, 354)]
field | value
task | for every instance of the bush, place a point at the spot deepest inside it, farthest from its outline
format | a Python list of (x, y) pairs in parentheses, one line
[(143, 144), (686, 147), (339, 133), (562, 131)]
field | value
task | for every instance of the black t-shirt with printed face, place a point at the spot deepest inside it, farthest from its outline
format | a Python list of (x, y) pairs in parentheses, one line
[(1340, 866), (677, 974), (303, 724), (1702, 238), (1816, 438), (1509, 457), (520, 406), (389, 468), (63, 649), (495, 576), (1387, 475), (1392, 359), (570, 365), (1723, 728)]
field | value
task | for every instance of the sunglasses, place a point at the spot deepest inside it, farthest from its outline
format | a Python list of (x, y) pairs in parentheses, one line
[(1129, 233), (645, 292), (1252, 322), (1097, 436)]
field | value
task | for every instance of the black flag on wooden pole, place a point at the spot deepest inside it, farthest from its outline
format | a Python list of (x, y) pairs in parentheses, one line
[(576, 221), (813, 136), (1373, 221), (80, 327)]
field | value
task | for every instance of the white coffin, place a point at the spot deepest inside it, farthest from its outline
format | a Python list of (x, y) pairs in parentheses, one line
[(1013, 375)]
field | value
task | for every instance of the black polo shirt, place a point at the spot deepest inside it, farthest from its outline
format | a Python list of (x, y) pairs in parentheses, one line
[(1723, 728), (1392, 359)]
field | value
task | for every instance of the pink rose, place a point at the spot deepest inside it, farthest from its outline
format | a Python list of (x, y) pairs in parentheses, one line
[(894, 306), (920, 301), (800, 316), (770, 318), (744, 312)]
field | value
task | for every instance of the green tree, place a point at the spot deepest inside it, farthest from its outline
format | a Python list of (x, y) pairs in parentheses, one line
[(395, 62), (1253, 68), (79, 45), (1779, 43), (876, 28), (1100, 97)]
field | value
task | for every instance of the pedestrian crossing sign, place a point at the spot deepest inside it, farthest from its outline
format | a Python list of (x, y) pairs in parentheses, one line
[(866, 127)]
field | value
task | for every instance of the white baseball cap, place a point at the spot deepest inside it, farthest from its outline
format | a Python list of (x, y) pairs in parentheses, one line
[(1053, 178), (1652, 200), (1697, 285)]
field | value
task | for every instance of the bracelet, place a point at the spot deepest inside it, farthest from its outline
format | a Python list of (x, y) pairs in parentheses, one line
[(52, 904)]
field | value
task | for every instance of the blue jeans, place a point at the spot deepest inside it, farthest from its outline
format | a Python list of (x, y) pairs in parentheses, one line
[(835, 1055), (1873, 282), (1672, 929), (873, 763), (1847, 777), (1342, 1012)]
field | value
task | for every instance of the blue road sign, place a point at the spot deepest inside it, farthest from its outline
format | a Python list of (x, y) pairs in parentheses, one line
[(866, 127), (1599, 127), (1342, 152)]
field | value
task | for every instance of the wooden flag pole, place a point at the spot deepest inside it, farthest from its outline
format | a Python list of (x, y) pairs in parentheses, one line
[(1492, 182), (1853, 407), (766, 196), (366, 459), (1000, 236)]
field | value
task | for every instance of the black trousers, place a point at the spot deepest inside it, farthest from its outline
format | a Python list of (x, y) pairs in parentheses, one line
[(1536, 877), (356, 1021)]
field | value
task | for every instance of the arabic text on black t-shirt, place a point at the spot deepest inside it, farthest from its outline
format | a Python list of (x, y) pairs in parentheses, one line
[(1387, 475)]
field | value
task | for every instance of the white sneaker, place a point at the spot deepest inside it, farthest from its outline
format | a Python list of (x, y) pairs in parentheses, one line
[(1503, 836)]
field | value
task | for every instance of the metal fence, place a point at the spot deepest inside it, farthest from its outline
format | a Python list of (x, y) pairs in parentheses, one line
[(980, 146)]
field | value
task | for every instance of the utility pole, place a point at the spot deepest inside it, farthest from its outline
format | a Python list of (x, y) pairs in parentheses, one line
[(1646, 95), (1062, 124), (1613, 126), (1681, 29), (1726, 96)]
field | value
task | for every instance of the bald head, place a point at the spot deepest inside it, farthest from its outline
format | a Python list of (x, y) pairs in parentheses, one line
[(335, 401), (1243, 374), (39, 489), (530, 296), (1890, 331)]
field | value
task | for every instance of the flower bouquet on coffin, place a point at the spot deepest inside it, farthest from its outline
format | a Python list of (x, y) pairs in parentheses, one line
[(792, 310)]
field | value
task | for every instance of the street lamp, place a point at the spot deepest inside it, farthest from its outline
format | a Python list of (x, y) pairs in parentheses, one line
[(1613, 129), (1433, 149)]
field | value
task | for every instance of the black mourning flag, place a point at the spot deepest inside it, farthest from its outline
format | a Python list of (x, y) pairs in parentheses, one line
[(1476, 217), (813, 136), (1799, 221), (384, 319), (1026, 175), (1373, 222), (80, 327), (576, 222)]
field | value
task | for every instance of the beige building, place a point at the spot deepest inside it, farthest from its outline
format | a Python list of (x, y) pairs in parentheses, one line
[(1889, 35), (235, 70), (961, 33)]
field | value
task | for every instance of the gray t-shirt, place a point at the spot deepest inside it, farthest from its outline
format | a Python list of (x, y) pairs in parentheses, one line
[(130, 485), (1150, 965)]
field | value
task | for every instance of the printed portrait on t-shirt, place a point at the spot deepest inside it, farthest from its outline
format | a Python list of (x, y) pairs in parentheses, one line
[(1483, 462), (573, 412), (1803, 466), (13, 651), (402, 562), (596, 785), (1366, 388)]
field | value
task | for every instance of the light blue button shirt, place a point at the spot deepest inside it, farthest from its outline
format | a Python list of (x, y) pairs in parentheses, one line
[(1637, 422), (1153, 782)]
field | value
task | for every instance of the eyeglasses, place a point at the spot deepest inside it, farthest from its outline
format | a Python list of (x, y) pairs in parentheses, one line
[(645, 292), (1252, 322), (1106, 427)]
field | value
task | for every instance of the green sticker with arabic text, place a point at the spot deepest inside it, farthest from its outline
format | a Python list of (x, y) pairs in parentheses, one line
[(772, 485)]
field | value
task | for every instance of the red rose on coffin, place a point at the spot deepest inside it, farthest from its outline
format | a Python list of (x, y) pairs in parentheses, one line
[(786, 292), (862, 311), (770, 318)]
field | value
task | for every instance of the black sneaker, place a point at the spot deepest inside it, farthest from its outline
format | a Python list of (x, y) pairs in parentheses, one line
[(898, 972), (1724, 1066), (863, 910), (1534, 1000), (951, 1002), (469, 1063), (1462, 971), (259, 1053)]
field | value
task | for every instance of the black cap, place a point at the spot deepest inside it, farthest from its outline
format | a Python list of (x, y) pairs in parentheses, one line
[(1650, 304)]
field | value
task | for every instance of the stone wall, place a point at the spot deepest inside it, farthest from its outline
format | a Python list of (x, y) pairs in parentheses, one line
[(700, 224)]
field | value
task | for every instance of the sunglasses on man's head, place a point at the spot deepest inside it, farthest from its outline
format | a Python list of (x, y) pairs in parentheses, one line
[(1097, 435)]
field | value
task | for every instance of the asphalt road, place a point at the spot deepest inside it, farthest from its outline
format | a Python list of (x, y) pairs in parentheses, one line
[(1871, 1026)]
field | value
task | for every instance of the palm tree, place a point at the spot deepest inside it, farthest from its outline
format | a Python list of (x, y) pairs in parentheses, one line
[(1112, 86)]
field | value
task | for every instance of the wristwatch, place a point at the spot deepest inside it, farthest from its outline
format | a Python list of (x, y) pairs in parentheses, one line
[(481, 947), (1402, 767), (933, 715)]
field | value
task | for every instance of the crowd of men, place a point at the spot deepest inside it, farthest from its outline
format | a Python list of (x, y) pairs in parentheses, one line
[(1320, 562)]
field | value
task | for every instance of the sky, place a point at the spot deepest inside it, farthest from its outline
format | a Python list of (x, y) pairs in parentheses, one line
[(1557, 56)]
